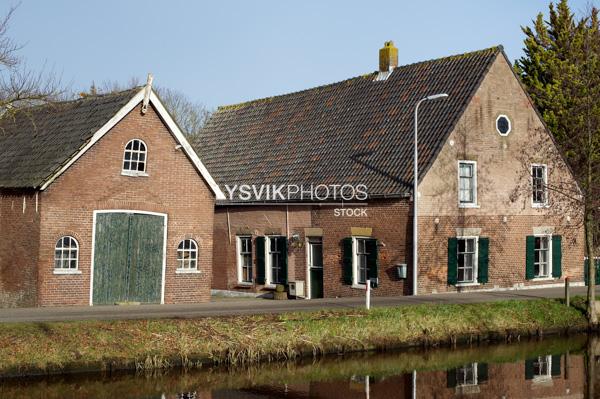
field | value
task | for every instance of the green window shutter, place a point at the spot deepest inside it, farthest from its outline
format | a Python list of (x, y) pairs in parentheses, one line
[(282, 248), (260, 260), (529, 257), (483, 260), (529, 369), (451, 378), (555, 367), (556, 256), (372, 259), (347, 260), (585, 271), (452, 260), (482, 372)]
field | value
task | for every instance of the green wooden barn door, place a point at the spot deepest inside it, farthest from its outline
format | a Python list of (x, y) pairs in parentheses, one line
[(146, 256), (110, 258), (128, 257)]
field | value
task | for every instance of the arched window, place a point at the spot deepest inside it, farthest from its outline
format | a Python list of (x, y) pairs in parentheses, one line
[(66, 254), (134, 160), (187, 255)]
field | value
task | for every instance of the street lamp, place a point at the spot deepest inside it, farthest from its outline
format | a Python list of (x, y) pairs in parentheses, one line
[(415, 184)]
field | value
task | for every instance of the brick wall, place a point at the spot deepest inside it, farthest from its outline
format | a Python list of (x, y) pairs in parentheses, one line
[(19, 243), (94, 182), (504, 212), (256, 221)]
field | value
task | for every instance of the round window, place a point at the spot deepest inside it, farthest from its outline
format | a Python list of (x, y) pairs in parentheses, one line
[(503, 125)]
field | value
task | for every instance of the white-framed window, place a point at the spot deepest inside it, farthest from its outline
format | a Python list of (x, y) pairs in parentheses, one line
[(542, 256), (467, 249), (542, 368), (466, 375), (187, 256), (276, 258), (539, 185), (135, 158), (360, 261), (503, 125), (244, 249), (66, 255), (467, 184)]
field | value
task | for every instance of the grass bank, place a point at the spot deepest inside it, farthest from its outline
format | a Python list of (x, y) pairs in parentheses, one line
[(40, 348)]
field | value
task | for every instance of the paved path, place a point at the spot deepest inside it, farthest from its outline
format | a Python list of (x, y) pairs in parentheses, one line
[(261, 306)]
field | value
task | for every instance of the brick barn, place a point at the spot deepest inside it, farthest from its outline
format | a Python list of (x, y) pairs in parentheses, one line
[(103, 200), (487, 219)]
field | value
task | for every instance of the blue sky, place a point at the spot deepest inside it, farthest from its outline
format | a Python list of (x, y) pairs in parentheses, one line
[(224, 52)]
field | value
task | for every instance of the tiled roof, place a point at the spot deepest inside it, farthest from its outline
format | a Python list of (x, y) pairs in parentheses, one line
[(40, 140), (351, 132)]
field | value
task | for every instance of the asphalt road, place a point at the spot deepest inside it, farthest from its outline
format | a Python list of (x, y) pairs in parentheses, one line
[(232, 307)]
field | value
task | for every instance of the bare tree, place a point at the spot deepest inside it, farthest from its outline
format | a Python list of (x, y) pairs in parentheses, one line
[(19, 86), (189, 115)]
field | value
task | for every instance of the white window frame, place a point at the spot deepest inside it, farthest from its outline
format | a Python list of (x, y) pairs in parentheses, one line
[(509, 125), (196, 251), (462, 383), (63, 249), (240, 260), (549, 276), (475, 262), (130, 172), (355, 283), (548, 375), (308, 242), (472, 204), (268, 265), (546, 202)]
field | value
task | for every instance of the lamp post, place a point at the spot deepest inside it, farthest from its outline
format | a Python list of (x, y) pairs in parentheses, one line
[(415, 187)]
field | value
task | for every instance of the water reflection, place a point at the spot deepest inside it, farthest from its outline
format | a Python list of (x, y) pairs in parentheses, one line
[(551, 368)]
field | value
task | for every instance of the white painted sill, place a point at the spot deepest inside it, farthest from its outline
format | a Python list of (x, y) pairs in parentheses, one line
[(474, 284), (473, 206), (540, 206), (245, 283), (542, 279), (134, 174), (187, 271), (66, 271), (359, 286)]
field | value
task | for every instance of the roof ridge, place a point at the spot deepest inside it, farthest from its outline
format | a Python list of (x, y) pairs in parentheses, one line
[(494, 49)]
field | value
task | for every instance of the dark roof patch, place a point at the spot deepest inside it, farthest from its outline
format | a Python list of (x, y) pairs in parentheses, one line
[(38, 141), (351, 132)]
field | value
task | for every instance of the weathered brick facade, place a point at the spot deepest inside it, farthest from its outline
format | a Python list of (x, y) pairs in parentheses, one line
[(94, 182), (19, 248), (503, 213)]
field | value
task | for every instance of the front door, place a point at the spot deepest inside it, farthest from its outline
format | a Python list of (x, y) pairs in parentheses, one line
[(315, 265), (128, 258)]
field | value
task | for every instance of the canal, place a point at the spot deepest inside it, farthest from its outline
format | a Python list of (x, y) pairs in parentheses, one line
[(549, 368)]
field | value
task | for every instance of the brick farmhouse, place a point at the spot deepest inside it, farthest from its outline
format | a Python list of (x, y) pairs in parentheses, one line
[(487, 218), (103, 200)]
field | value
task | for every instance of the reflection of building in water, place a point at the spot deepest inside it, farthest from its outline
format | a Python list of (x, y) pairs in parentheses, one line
[(547, 376)]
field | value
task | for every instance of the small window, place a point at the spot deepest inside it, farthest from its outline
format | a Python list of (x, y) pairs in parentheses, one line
[(467, 260), (277, 260), (245, 259), (187, 255), (503, 125), (542, 368), (542, 255), (135, 157), (467, 184), (66, 254), (466, 375), (539, 180), (361, 260)]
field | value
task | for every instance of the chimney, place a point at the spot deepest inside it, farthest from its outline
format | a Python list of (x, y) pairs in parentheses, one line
[(388, 57)]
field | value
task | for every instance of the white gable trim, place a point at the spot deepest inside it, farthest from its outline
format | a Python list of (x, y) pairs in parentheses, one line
[(179, 136), (175, 131)]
